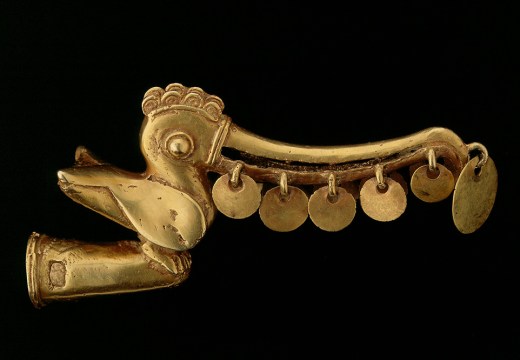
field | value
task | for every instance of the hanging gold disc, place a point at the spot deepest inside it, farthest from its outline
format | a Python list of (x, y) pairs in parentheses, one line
[(332, 213), (400, 179), (430, 185), (474, 195), (237, 202), (352, 188), (284, 213), (382, 205)]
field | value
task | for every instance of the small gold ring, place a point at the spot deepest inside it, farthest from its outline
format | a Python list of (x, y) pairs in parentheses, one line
[(332, 185), (235, 175), (483, 153), (284, 189), (379, 177), (432, 160)]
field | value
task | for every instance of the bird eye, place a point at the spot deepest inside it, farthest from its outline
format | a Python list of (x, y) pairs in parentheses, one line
[(180, 145)]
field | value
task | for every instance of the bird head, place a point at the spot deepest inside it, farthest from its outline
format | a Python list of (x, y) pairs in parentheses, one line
[(181, 131), (169, 203)]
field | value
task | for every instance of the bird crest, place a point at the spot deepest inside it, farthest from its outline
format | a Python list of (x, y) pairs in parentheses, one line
[(157, 100)]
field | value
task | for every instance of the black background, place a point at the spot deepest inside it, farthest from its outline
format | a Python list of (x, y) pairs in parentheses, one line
[(316, 74)]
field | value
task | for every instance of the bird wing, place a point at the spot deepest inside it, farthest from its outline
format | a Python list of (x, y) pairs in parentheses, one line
[(162, 214)]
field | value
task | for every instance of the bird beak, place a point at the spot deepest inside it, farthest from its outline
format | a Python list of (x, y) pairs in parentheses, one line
[(87, 185)]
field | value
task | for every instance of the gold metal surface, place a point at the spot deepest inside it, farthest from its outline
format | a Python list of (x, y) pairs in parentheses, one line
[(382, 204), (170, 205), (243, 140), (60, 269), (474, 195), (332, 213), (400, 179), (237, 202), (332, 186), (284, 213), (432, 185), (352, 188)]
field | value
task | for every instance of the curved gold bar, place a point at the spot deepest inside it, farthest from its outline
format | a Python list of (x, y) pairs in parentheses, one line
[(243, 140), (317, 174)]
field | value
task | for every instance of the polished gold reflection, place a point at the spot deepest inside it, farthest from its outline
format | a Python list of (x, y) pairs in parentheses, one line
[(170, 205)]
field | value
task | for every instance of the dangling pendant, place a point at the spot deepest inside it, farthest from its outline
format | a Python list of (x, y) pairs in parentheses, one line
[(352, 188), (475, 191), (382, 198), (284, 208), (332, 208), (396, 176), (238, 196), (432, 182)]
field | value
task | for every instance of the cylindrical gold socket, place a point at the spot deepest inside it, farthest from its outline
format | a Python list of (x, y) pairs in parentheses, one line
[(59, 269)]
